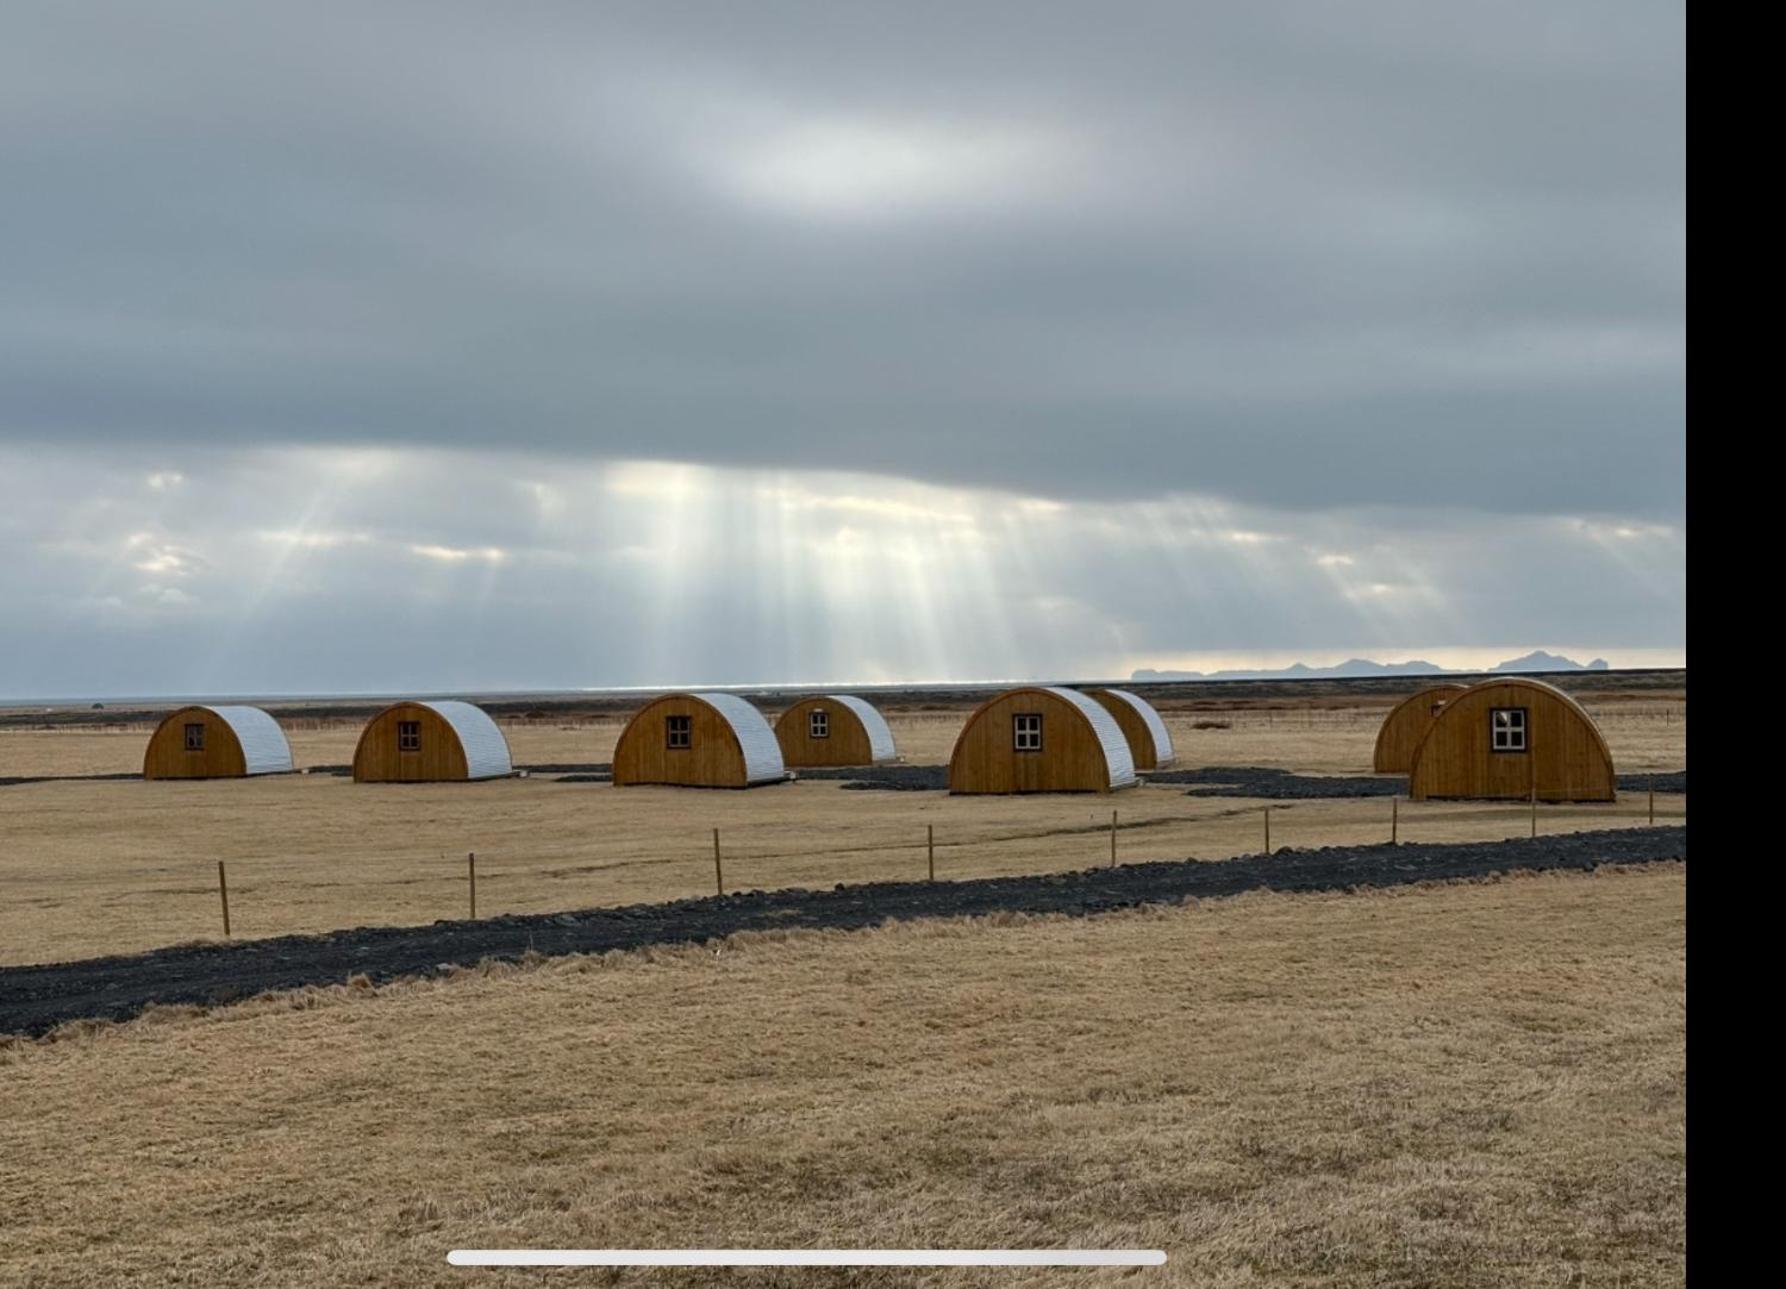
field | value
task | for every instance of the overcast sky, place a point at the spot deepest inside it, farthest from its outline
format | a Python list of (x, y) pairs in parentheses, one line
[(387, 347)]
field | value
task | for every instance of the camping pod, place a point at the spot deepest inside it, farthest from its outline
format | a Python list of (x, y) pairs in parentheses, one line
[(1407, 723), (1513, 738), (1150, 744), (1040, 739), (216, 743), (706, 740), (431, 742), (834, 729)]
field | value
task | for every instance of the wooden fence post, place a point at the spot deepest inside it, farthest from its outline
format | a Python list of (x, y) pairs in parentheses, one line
[(1395, 819), (1652, 801), (930, 848), (719, 878), (1113, 839), (471, 874), (223, 894), (1268, 830), (1534, 809)]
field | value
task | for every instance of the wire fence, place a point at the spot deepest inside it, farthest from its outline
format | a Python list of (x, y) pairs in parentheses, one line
[(465, 884)]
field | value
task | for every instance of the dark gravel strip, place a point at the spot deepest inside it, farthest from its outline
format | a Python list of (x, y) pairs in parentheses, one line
[(35, 999), (1673, 781)]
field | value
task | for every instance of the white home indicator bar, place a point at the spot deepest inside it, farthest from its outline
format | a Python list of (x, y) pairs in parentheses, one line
[(807, 1258)]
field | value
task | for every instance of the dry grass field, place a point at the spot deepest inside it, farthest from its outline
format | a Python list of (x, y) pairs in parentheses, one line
[(119, 866), (1462, 1085)]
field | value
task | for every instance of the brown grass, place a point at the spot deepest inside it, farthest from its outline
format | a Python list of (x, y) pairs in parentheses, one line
[(1464, 1085), (106, 867)]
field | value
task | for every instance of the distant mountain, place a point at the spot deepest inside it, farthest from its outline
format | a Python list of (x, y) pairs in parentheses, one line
[(1537, 660)]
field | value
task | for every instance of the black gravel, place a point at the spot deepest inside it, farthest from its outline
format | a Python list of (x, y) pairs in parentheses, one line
[(35, 999), (889, 778), (1279, 785), (14, 780), (1673, 781)]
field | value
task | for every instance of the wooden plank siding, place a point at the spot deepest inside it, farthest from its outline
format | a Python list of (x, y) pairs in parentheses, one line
[(166, 756), (1134, 728), (1071, 758), (713, 759), (1407, 723), (378, 759), (847, 744), (1566, 757)]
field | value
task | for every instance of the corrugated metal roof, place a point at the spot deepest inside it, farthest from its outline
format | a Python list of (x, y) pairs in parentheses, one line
[(1162, 739), (1116, 747), (486, 750), (264, 746), (762, 754), (880, 737)]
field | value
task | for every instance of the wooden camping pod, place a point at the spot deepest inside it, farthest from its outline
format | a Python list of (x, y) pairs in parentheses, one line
[(706, 740), (216, 743), (1081, 747), (1150, 745), (1563, 756), (430, 742), (834, 729), (1407, 723)]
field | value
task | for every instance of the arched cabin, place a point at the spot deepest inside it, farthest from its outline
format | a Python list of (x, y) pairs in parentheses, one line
[(216, 743), (1041, 739), (705, 740)]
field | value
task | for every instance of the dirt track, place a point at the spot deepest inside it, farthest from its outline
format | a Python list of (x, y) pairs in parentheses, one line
[(34, 999)]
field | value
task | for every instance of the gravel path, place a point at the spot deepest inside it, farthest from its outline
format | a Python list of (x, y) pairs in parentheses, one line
[(34, 999), (1257, 781)]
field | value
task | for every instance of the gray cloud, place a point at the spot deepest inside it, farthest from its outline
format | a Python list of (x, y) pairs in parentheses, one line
[(133, 572), (1300, 257)]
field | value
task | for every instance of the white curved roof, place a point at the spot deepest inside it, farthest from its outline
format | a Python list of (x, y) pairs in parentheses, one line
[(264, 749), (762, 754), (1116, 747), (486, 750), (1162, 740), (880, 737)]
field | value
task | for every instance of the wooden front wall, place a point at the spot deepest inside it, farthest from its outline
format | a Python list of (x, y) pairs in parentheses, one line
[(167, 758), (848, 744), (1071, 759), (1134, 728), (377, 759), (713, 759), (1566, 758), (1407, 723)]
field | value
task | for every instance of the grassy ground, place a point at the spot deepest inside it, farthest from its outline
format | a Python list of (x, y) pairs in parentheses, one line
[(104, 867), (1463, 1085), (1646, 732)]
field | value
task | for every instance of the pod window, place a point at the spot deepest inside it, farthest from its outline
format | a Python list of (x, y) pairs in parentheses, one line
[(1026, 732), (409, 736), (195, 738), (679, 731), (1507, 729), (818, 724)]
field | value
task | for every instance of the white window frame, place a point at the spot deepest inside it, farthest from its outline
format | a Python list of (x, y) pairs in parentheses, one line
[(1026, 732), (818, 723), (195, 744), (1509, 735), (683, 726)]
